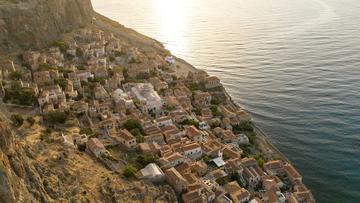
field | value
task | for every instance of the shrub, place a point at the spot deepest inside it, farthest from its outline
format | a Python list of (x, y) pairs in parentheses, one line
[(206, 159), (196, 111), (168, 108), (82, 147), (143, 76), (129, 171), (260, 160), (190, 122), (79, 52), (244, 126), (235, 176), (140, 139), (196, 86), (215, 111), (62, 46), (17, 120), (56, 117), (16, 75), (97, 79), (119, 69), (45, 66), (119, 53), (133, 60), (144, 160), (215, 101), (135, 132), (216, 123), (46, 135), (79, 97), (72, 122), (86, 131), (30, 120), (252, 137), (111, 58), (246, 150), (221, 181)]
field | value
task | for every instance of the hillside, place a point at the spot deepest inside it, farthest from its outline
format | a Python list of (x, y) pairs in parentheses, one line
[(34, 24), (32, 170)]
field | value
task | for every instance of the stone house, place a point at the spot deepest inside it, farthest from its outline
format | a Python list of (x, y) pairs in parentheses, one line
[(96, 147), (127, 139), (202, 99)]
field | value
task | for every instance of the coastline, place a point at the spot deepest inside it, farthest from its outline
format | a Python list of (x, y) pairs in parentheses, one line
[(106, 93), (265, 146), (269, 149)]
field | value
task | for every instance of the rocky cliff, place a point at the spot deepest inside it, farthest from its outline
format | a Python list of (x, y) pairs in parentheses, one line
[(28, 24), (34, 170)]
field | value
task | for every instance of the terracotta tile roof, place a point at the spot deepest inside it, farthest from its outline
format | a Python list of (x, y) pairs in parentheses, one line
[(95, 143), (126, 135), (191, 146), (291, 171), (192, 132), (236, 192)]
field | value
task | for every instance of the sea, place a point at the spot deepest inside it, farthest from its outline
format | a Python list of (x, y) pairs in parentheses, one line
[(293, 64)]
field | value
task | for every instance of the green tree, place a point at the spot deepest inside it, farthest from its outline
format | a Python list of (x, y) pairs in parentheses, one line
[(137, 133), (132, 124), (62, 82), (244, 126), (235, 176), (19, 95), (215, 111), (246, 150)]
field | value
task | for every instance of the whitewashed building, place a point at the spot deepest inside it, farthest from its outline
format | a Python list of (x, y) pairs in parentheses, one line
[(148, 98)]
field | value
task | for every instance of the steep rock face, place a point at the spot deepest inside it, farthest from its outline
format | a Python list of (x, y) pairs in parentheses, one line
[(12, 188), (36, 23)]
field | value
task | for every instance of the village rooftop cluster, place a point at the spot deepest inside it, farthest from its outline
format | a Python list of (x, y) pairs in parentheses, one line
[(138, 114)]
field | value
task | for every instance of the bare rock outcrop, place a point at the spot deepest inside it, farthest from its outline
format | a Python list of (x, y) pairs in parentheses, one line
[(26, 24)]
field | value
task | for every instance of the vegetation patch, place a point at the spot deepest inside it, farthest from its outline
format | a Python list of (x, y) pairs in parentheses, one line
[(19, 95)]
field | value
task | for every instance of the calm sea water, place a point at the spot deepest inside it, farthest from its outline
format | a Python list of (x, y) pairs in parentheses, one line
[(294, 64)]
